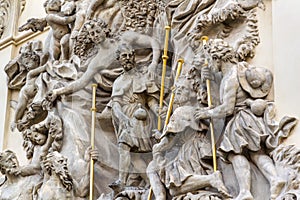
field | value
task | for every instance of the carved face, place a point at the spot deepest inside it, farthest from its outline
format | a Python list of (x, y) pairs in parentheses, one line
[(182, 94), (254, 78), (202, 95), (38, 138), (53, 5), (59, 163), (8, 160), (127, 60), (97, 35), (30, 61), (199, 60)]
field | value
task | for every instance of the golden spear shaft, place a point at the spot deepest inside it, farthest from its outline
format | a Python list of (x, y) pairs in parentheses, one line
[(93, 109), (162, 87), (164, 69), (179, 67), (209, 99)]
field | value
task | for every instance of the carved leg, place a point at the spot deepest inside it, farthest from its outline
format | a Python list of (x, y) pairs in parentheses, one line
[(267, 167), (241, 168), (140, 166), (56, 49), (124, 163), (65, 50), (197, 182), (158, 187)]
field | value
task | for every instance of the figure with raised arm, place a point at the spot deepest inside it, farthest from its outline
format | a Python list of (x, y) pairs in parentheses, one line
[(96, 31), (134, 105), (242, 94)]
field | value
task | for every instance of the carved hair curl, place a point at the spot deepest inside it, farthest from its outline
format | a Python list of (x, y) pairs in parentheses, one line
[(219, 49), (83, 44)]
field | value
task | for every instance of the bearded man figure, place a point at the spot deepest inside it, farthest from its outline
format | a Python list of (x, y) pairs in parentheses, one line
[(10, 187), (58, 183)]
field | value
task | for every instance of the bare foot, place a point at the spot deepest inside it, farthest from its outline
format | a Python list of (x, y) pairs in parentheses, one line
[(276, 187), (244, 195), (217, 183)]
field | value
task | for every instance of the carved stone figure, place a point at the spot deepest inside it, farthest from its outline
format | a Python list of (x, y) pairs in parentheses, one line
[(117, 45), (59, 23), (246, 130), (181, 160), (14, 186), (58, 183), (18, 68), (132, 103), (4, 13), (99, 34)]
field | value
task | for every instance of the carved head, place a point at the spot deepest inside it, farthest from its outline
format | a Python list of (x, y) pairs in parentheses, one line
[(126, 56), (52, 5), (37, 135), (55, 163), (97, 30), (257, 81), (184, 92), (8, 160), (219, 50), (29, 60)]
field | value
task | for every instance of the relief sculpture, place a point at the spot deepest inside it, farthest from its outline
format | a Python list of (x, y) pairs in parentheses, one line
[(220, 137)]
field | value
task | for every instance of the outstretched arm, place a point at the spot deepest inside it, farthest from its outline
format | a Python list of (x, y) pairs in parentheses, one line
[(54, 18), (93, 7), (79, 83)]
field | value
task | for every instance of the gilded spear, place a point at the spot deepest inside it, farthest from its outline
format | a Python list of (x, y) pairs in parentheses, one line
[(93, 110), (209, 99)]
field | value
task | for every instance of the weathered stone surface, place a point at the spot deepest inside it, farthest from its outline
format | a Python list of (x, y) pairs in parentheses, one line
[(117, 45)]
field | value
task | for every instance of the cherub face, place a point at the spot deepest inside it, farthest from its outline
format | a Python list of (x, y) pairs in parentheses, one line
[(53, 5), (97, 35), (38, 138), (255, 79), (199, 60), (29, 61)]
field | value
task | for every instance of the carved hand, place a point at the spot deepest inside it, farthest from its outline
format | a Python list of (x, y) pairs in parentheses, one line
[(152, 70), (14, 171), (202, 113), (156, 134), (89, 153), (206, 74), (51, 96)]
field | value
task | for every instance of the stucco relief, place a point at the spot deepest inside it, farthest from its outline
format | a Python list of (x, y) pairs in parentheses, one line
[(4, 14), (197, 123)]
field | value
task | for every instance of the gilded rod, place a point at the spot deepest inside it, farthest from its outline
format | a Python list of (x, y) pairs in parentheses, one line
[(162, 87), (164, 69), (179, 67), (93, 110), (209, 99)]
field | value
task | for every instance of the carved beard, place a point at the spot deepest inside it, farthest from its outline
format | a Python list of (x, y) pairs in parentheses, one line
[(65, 179), (180, 99)]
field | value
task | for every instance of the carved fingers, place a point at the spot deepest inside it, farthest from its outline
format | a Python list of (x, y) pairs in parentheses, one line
[(202, 113), (91, 154), (206, 74), (156, 134)]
